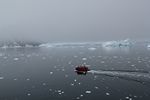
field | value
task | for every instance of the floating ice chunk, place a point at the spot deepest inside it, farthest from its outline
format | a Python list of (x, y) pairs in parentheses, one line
[(107, 94), (128, 62), (84, 58), (50, 89), (132, 65), (72, 84), (59, 90), (66, 76), (28, 79), (43, 84), (102, 62), (127, 97), (55, 67), (28, 46), (148, 46), (95, 77), (51, 73), (28, 56), (139, 61), (1, 78), (96, 87), (17, 46), (1, 54), (15, 79), (47, 45), (115, 57), (75, 56), (92, 49), (16, 59), (81, 95), (88, 92), (69, 62), (29, 94), (63, 69), (62, 92), (4, 47), (43, 58), (5, 57)]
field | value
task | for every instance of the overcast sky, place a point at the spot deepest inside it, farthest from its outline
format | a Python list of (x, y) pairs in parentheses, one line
[(74, 20)]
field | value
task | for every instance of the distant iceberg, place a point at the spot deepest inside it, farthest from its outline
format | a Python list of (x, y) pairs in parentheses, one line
[(18, 44), (121, 43), (48, 45), (71, 44), (148, 46)]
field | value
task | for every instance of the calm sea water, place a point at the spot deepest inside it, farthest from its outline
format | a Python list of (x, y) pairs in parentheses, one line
[(48, 73)]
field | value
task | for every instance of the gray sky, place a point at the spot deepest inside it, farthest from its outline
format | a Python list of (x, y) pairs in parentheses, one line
[(74, 20)]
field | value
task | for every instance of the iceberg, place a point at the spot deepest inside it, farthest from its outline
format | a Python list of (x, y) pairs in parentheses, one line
[(148, 46), (48, 45), (92, 49), (1, 78), (121, 43), (19, 44), (88, 92)]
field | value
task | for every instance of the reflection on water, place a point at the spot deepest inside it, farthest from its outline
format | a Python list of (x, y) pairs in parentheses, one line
[(48, 73)]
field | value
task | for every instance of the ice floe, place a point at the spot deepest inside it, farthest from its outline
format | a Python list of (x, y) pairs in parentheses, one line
[(96, 87), (1, 78), (16, 59), (107, 94), (72, 84), (29, 94), (51, 73), (28, 79), (92, 49), (84, 58), (148, 46), (59, 91), (15, 79), (88, 92), (43, 84)]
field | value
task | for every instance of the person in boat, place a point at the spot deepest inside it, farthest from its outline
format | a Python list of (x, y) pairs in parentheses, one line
[(81, 70)]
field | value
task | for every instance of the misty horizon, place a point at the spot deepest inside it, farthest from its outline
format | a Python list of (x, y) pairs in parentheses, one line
[(73, 21)]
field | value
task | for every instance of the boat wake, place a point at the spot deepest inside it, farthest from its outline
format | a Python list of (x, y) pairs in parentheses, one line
[(137, 76)]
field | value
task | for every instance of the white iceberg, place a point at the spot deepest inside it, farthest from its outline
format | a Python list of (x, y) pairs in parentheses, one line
[(121, 43), (92, 49), (148, 46), (48, 45), (88, 92), (1, 78)]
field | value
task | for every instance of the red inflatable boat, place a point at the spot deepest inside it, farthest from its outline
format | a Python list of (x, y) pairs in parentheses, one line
[(81, 69)]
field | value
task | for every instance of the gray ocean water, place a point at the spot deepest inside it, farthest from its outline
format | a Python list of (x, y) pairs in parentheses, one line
[(47, 73)]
